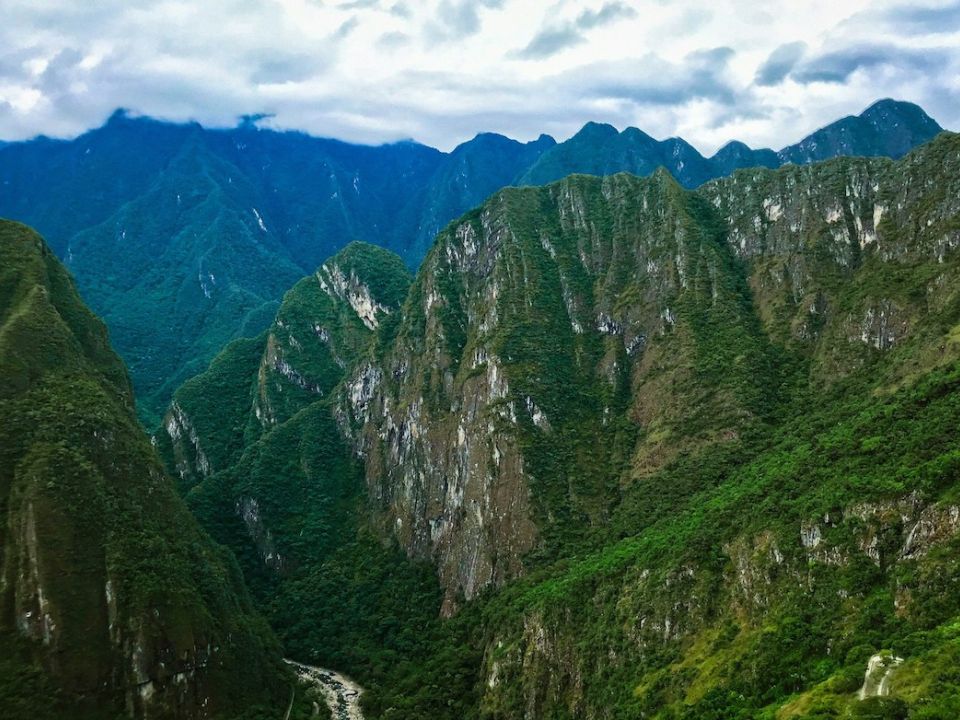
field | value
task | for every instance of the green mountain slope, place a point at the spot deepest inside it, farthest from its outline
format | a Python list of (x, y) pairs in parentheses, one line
[(215, 273), (671, 454), (887, 128), (599, 149), (323, 325), (112, 600), (471, 173), (264, 467)]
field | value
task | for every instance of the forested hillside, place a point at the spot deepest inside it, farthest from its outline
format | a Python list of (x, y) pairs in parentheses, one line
[(639, 450), (112, 600)]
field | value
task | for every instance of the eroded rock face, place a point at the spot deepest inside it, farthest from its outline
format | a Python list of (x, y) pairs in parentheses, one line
[(512, 314), (813, 236), (602, 289), (349, 288), (191, 459)]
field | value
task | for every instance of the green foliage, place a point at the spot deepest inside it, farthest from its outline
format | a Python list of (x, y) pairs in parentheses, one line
[(94, 528)]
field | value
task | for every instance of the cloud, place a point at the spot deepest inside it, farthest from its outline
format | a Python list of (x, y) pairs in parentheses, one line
[(608, 13), (558, 36), (919, 20), (282, 67), (838, 65), (442, 70), (651, 80), (779, 63), (550, 41), (461, 18), (393, 39), (347, 27)]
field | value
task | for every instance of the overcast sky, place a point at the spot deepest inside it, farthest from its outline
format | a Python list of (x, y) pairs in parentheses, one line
[(440, 71)]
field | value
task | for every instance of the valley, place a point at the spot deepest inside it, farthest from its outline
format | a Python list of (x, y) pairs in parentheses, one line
[(550, 438), (624, 444)]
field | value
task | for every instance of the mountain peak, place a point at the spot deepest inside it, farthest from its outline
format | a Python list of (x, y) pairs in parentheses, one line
[(887, 128), (889, 110), (597, 130), (118, 116)]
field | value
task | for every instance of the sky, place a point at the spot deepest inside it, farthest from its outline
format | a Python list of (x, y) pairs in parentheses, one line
[(440, 71)]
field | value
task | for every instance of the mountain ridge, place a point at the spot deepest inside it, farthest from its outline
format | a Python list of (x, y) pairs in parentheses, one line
[(287, 201)]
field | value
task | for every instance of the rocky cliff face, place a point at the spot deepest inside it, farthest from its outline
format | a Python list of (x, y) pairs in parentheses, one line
[(543, 333), (675, 618), (616, 322), (107, 585), (849, 252), (323, 327)]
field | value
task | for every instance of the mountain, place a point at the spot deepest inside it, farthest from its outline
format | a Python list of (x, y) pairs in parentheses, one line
[(667, 453), (323, 324), (737, 155), (263, 466), (469, 175), (887, 128), (204, 229), (112, 600), (599, 149)]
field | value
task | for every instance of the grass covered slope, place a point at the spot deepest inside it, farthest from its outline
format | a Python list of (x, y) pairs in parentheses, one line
[(113, 600)]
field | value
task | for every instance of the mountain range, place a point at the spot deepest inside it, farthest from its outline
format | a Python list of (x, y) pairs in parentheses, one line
[(618, 449), (205, 229)]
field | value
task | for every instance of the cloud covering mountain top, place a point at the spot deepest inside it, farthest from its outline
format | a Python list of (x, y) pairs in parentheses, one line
[(440, 71)]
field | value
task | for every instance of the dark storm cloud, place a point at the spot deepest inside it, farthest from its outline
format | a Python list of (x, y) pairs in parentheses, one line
[(779, 63)]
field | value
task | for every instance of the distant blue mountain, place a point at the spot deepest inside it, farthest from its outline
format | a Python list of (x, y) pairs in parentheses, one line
[(887, 128), (183, 237)]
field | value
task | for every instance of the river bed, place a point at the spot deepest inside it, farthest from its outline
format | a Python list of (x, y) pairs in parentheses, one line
[(341, 693)]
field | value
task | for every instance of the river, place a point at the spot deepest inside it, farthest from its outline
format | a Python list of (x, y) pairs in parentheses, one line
[(341, 693)]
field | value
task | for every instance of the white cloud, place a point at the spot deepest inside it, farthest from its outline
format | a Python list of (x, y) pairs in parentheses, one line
[(440, 71)]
